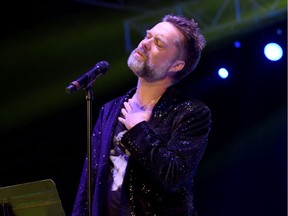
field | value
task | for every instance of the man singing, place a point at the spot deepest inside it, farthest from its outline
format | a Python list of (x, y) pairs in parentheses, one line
[(147, 144)]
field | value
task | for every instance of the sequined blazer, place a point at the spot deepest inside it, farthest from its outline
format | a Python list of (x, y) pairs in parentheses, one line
[(165, 153)]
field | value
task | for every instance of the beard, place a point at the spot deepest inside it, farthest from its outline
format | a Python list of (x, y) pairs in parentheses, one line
[(142, 67)]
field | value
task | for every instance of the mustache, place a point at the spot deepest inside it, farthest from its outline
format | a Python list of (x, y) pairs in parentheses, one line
[(141, 52)]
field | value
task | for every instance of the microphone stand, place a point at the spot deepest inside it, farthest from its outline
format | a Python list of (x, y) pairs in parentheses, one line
[(89, 100), (86, 81)]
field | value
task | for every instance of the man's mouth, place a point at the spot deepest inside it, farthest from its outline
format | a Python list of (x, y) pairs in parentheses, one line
[(141, 53)]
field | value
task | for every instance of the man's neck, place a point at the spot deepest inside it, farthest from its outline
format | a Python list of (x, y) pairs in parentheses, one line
[(148, 91)]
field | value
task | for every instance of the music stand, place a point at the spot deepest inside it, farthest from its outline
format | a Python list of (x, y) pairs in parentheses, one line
[(39, 198)]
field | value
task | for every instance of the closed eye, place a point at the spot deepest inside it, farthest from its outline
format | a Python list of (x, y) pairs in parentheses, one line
[(148, 35), (159, 43), (157, 40)]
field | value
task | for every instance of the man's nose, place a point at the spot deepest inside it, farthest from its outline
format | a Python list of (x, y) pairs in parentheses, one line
[(146, 44)]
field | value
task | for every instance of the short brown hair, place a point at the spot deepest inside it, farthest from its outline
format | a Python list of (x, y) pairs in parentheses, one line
[(193, 43)]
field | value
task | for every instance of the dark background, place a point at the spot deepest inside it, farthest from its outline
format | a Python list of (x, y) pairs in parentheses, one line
[(46, 44)]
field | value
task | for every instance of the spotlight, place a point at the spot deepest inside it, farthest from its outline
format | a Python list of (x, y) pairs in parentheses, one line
[(223, 73), (237, 44), (273, 51), (279, 31)]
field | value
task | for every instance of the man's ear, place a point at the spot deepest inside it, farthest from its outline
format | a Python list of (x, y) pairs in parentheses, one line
[(177, 66)]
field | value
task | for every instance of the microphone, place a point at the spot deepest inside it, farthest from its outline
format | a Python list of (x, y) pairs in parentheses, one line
[(87, 79)]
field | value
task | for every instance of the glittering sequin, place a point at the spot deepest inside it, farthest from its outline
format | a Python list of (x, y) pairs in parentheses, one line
[(165, 153)]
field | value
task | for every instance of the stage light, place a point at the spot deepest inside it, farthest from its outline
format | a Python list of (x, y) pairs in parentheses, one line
[(279, 31), (273, 51), (223, 73), (237, 44)]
